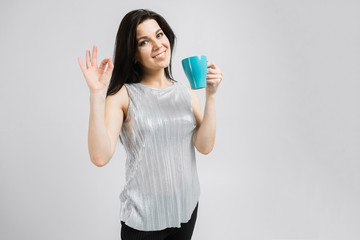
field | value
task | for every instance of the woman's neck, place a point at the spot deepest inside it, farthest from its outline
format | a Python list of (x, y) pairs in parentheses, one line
[(156, 79)]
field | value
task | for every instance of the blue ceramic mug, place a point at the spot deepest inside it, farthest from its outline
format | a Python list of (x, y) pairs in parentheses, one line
[(195, 69)]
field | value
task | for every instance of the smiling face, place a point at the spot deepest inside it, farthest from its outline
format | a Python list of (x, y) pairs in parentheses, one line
[(153, 47)]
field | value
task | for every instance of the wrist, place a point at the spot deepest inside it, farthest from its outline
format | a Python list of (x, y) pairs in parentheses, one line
[(210, 95), (97, 96)]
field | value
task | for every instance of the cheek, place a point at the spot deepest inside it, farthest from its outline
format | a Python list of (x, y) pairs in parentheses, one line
[(144, 53), (167, 43)]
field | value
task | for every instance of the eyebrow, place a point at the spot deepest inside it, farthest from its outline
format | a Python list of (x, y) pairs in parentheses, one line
[(146, 36)]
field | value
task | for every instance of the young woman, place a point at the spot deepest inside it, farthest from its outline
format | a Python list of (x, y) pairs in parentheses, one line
[(159, 122)]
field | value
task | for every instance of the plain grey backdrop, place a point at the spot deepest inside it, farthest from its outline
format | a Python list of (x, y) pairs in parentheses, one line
[(286, 158)]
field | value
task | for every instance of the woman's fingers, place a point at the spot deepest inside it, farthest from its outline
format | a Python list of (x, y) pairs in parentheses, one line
[(213, 76), (83, 69), (211, 70), (110, 66), (211, 82), (103, 64), (214, 71), (211, 64), (94, 56), (88, 63)]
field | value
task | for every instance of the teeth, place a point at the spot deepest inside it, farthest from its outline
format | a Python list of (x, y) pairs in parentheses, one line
[(161, 54)]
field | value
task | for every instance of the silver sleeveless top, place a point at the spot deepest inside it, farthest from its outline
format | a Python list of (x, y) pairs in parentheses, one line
[(162, 186)]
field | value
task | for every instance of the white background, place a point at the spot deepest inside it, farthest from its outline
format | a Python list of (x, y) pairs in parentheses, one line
[(286, 159)]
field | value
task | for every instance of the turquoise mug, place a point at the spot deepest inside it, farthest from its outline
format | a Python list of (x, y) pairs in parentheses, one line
[(195, 69)]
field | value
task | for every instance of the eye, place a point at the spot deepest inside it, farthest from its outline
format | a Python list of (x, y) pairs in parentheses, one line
[(142, 43), (161, 34)]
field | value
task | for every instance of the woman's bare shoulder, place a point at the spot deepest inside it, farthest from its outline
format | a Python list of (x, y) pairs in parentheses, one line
[(191, 91), (121, 99), (188, 87)]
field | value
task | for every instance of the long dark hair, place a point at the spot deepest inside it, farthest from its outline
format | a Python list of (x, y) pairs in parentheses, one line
[(125, 70)]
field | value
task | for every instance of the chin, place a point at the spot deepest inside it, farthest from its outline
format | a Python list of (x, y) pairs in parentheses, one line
[(165, 64)]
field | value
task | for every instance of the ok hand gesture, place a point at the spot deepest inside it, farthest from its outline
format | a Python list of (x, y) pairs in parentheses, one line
[(96, 77)]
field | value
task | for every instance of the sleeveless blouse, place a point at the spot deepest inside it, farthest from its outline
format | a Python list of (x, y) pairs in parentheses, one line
[(162, 186)]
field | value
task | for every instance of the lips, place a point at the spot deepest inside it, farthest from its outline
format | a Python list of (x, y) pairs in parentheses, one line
[(161, 53)]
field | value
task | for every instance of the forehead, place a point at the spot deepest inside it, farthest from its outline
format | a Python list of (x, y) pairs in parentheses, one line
[(146, 28)]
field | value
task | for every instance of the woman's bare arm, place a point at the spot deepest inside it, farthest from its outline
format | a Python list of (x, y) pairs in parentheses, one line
[(106, 119)]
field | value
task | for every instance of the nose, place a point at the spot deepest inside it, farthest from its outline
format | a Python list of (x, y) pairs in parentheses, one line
[(156, 44)]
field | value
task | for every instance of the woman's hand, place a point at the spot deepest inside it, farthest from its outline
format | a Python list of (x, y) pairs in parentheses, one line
[(213, 78), (97, 79)]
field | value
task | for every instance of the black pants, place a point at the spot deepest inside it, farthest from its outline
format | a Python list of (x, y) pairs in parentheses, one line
[(183, 233)]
